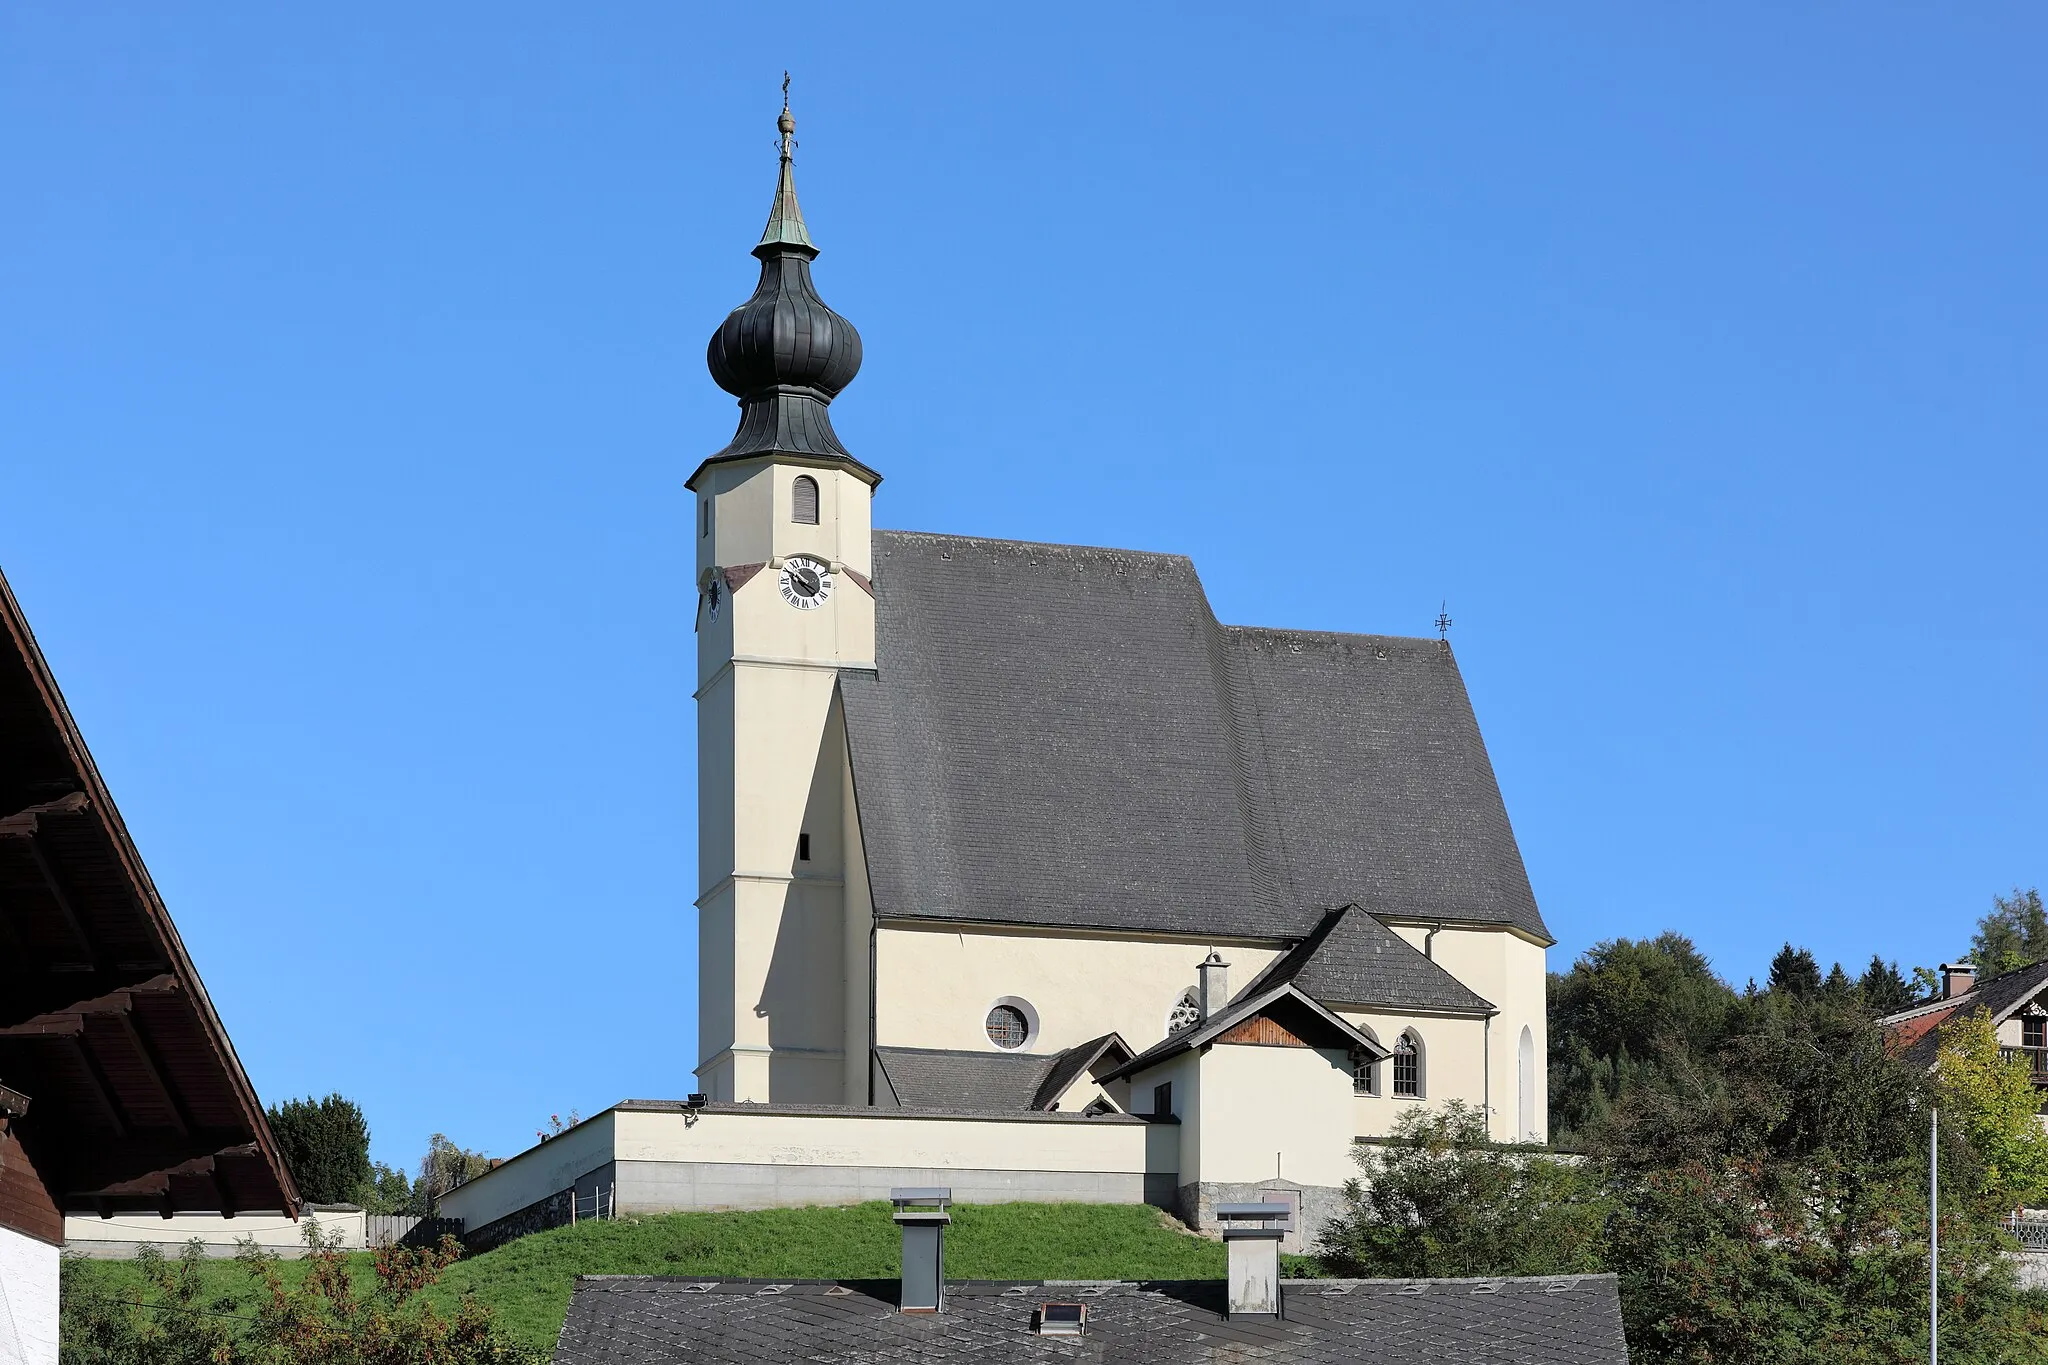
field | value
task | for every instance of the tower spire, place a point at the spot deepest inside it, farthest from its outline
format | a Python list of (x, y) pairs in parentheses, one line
[(783, 353), (785, 217)]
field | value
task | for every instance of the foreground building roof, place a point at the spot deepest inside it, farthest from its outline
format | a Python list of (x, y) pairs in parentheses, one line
[(135, 1100), (1193, 778), (630, 1320)]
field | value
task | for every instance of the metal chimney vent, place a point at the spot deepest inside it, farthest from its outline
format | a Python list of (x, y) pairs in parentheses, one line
[(1252, 1233), (921, 1213)]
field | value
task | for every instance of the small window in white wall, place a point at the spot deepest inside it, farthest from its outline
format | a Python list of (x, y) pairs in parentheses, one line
[(1365, 1072), (1408, 1066), (803, 501)]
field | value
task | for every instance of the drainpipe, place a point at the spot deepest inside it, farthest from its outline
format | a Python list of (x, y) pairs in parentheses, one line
[(1486, 1072), (1429, 941)]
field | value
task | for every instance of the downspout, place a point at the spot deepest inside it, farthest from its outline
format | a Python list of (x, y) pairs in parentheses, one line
[(1429, 941), (874, 945), (1486, 1072)]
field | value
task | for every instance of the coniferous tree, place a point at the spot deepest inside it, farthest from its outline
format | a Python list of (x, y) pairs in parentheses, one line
[(326, 1147), (1794, 972), (2013, 935), (1885, 991)]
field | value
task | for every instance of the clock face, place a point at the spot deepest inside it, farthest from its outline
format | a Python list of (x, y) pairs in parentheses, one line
[(806, 583), (714, 596)]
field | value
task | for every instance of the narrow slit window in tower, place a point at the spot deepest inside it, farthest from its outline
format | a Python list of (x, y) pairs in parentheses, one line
[(803, 848), (804, 501)]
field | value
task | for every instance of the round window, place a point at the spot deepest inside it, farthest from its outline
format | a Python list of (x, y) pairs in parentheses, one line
[(1007, 1026)]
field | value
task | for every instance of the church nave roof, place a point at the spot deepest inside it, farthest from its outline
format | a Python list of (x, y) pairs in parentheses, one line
[(1062, 735)]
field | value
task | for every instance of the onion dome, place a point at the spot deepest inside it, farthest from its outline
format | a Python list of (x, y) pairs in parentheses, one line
[(783, 353)]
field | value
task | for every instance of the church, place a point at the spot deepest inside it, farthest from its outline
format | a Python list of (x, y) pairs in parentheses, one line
[(1021, 874)]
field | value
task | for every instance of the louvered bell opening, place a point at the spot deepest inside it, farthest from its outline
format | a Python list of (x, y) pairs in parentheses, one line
[(804, 501)]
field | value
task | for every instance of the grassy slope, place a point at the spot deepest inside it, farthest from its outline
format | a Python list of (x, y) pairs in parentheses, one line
[(527, 1283)]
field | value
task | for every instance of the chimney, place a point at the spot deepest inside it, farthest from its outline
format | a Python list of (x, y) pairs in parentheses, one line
[(921, 1213), (1215, 990), (1957, 978), (1252, 1233)]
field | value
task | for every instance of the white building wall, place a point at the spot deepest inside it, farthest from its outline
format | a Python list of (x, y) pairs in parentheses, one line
[(1511, 973), (28, 1300), (1275, 1113), (934, 984), (118, 1237), (1453, 1056)]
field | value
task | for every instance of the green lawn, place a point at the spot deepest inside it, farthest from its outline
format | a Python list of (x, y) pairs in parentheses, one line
[(527, 1283)]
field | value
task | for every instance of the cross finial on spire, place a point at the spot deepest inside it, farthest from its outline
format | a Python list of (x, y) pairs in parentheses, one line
[(1443, 624), (785, 219)]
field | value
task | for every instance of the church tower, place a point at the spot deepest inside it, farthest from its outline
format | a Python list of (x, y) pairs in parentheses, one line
[(784, 602)]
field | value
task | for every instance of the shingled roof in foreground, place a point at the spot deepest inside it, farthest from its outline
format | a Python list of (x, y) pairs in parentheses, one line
[(634, 1320), (1065, 736)]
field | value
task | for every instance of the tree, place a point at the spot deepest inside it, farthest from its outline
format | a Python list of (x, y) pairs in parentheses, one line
[(1992, 1100), (1627, 1013), (325, 1145), (444, 1167), (1443, 1200), (1794, 972), (1776, 1212), (2013, 935), (325, 1317), (1884, 990), (390, 1191)]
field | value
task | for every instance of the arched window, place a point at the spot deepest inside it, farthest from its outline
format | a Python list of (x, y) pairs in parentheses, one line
[(1365, 1072), (1186, 1010), (1408, 1066), (1525, 1078), (803, 501)]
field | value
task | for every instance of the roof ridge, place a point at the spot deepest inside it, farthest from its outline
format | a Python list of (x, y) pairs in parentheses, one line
[(1309, 633), (1005, 542)]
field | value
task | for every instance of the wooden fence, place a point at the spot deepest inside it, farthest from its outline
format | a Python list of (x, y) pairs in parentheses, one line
[(402, 1229)]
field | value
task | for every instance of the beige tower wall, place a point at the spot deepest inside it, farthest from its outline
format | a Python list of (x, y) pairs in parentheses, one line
[(774, 963)]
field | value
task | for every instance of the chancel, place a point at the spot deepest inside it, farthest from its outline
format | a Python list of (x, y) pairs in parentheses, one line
[(1020, 873)]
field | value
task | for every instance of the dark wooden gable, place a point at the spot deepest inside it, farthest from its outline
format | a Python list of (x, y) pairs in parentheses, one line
[(136, 1099)]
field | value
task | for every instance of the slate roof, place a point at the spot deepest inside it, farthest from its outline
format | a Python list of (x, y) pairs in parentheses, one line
[(622, 1320), (1350, 958), (930, 1078), (1065, 736), (1917, 1032), (935, 1078)]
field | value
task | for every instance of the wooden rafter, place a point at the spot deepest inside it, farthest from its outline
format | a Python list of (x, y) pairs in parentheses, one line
[(64, 1020), (153, 1067)]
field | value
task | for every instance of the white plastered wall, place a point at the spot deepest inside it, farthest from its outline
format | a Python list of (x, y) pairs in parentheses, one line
[(717, 1143), (774, 957), (1268, 1113), (28, 1300), (1512, 973), (1453, 1050), (934, 984)]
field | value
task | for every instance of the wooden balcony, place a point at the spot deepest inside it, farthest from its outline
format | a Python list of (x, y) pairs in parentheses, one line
[(2036, 1059)]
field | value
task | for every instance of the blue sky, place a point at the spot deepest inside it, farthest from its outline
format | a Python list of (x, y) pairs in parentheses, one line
[(354, 363)]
